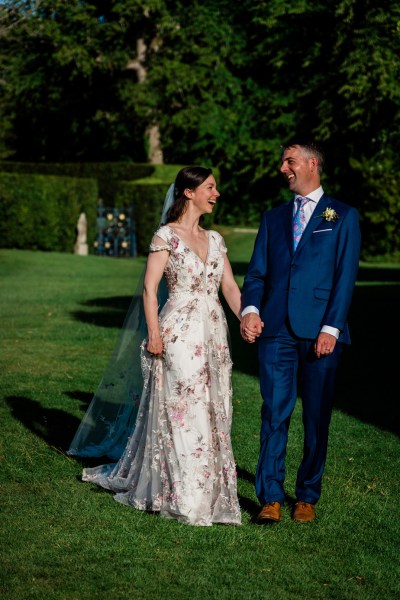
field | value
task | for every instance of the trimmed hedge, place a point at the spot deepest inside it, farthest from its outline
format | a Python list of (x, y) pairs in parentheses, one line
[(108, 175), (41, 211)]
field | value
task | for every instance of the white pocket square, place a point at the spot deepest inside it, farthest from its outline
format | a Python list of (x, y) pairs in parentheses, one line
[(321, 230)]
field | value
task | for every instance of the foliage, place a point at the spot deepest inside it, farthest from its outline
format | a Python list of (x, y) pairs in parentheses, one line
[(378, 183), (108, 175), (225, 84), (67, 85), (41, 212), (122, 185)]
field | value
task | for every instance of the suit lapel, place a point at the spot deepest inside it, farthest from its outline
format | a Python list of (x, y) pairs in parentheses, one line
[(288, 225)]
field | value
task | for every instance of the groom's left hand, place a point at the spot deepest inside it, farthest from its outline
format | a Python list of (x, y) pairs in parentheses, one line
[(324, 344)]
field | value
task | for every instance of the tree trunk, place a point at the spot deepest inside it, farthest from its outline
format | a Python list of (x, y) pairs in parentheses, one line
[(155, 154)]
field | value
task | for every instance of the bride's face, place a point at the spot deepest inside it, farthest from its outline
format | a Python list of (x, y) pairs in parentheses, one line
[(205, 195)]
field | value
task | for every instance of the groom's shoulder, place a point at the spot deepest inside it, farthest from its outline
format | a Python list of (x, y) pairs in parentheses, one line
[(276, 211), (339, 205)]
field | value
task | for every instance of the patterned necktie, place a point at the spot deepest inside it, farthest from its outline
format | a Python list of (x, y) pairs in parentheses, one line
[(299, 221)]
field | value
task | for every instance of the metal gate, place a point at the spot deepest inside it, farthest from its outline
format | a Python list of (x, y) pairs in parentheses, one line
[(116, 234)]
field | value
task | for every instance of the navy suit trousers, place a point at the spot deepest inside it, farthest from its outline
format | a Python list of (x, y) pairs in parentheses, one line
[(288, 364)]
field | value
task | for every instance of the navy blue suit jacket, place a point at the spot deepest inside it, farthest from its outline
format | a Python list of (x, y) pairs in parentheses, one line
[(312, 286)]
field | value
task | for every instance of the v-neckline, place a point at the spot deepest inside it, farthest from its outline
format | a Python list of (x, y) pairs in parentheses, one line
[(204, 262)]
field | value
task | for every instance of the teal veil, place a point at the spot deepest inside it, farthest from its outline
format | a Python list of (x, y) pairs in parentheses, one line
[(111, 416)]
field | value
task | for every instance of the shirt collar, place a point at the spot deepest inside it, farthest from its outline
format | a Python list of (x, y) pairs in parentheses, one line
[(315, 195)]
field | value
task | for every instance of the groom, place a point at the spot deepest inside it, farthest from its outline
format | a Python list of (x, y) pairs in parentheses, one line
[(295, 299)]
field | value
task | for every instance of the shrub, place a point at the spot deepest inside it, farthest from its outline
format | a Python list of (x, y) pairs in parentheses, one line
[(43, 207), (107, 174), (377, 190), (41, 212)]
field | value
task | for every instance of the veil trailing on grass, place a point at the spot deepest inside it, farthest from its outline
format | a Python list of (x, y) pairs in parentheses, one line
[(112, 413)]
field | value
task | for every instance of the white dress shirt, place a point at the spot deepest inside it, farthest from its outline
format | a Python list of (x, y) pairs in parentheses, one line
[(309, 208)]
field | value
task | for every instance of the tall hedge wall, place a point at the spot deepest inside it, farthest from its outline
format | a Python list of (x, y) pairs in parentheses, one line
[(108, 175), (42, 207), (41, 211)]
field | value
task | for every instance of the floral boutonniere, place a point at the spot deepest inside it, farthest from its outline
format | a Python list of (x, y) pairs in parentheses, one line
[(330, 214)]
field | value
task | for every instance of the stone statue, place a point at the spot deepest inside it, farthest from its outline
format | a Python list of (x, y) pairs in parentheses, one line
[(81, 246)]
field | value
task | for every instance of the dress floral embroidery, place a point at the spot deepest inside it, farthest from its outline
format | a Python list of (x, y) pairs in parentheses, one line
[(179, 458)]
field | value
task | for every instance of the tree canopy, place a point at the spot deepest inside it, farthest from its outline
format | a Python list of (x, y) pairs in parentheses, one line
[(219, 83)]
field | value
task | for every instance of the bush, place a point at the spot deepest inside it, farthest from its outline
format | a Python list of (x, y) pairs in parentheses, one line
[(108, 175), (44, 210), (41, 212), (377, 189)]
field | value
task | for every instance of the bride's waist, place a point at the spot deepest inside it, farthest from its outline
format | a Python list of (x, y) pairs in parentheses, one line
[(178, 296)]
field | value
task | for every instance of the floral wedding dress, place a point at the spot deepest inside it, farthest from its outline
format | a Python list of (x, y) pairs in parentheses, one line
[(178, 460)]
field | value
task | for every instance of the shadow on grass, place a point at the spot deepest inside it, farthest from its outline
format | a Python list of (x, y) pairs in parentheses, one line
[(55, 426), (111, 311), (367, 385), (247, 504)]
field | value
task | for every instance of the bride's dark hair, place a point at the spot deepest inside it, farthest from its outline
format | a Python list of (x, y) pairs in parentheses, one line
[(188, 177)]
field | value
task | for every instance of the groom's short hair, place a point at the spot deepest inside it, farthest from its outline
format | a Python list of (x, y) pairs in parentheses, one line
[(310, 147)]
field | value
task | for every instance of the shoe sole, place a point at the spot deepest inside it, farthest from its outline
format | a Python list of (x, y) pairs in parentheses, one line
[(266, 520)]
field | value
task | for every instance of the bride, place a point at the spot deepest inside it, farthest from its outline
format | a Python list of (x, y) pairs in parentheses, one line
[(178, 458)]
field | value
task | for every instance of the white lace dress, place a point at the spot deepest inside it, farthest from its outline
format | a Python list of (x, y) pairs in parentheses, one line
[(179, 458)]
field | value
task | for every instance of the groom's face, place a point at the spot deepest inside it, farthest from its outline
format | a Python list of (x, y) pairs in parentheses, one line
[(300, 171)]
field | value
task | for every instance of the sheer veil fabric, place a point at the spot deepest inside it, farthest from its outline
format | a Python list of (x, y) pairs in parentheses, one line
[(112, 413)]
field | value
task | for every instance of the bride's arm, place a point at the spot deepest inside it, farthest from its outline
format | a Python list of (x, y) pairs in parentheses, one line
[(156, 262), (230, 289)]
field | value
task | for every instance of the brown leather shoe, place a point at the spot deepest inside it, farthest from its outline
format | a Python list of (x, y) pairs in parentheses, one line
[(270, 513), (303, 512)]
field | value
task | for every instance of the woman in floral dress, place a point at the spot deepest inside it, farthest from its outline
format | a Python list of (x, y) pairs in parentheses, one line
[(178, 460)]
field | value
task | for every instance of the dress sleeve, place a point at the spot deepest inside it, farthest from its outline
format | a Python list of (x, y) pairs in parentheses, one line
[(160, 241), (221, 244)]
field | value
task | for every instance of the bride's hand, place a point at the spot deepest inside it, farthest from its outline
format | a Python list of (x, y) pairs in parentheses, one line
[(155, 346)]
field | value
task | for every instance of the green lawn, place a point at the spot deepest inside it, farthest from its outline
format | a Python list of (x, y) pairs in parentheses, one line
[(63, 539)]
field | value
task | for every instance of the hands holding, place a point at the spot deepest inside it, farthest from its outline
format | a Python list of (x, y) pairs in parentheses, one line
[(251, 327)]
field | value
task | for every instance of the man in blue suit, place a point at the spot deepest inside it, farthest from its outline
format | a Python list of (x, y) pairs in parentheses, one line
[(295, 298)]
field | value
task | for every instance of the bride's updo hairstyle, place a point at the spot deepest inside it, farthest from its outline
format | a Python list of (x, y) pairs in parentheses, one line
[(187, 178)]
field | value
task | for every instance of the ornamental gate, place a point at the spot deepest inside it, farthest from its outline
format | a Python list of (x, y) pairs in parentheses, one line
[(116, 232)]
